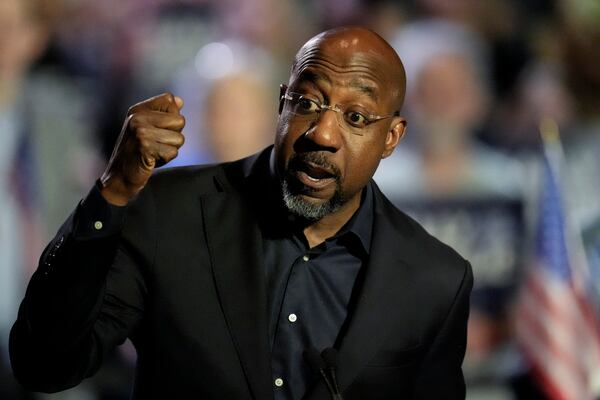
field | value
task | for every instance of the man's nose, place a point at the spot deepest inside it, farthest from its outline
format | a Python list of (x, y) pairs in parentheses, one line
[(326, 131)]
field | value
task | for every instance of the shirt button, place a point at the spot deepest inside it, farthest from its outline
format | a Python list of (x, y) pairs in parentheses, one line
[(98, 225), (279, 382), (305, 258), (292, 317)]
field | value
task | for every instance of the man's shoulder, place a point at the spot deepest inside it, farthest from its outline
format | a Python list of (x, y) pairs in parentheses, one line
[(421, 243), (203, 179), (436, 272), (199, 177)]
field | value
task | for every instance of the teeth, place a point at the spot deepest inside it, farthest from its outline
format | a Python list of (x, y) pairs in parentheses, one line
[(313, 179)]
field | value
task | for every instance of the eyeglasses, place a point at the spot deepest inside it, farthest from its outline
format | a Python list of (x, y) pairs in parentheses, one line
[(352, 117)]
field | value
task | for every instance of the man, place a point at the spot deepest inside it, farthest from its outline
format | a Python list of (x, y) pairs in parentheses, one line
[(230, 279)]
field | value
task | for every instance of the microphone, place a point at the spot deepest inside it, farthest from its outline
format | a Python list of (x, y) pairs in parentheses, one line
[(325, 367), (330, 356)]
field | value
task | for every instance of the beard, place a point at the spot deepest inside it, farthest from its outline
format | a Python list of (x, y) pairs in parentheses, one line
[(292, 189)]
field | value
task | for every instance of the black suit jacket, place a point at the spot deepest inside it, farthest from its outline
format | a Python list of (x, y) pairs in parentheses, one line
[(185, 281)]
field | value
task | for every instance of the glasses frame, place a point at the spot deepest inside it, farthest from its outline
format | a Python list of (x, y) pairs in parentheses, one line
[(370, 118)]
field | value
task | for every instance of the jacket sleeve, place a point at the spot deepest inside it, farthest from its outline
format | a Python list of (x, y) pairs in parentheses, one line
[(440, 375), (85, 298)]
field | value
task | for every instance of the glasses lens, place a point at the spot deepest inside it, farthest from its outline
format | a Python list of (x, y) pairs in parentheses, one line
[(302, 105), (307, 110)]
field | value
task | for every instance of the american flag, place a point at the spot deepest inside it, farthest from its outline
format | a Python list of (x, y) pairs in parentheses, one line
[(556, 323)]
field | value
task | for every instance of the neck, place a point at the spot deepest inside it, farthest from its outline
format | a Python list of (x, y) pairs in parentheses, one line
[(321, 230)]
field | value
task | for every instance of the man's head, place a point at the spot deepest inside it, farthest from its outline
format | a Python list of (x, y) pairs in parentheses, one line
[(338, 119)]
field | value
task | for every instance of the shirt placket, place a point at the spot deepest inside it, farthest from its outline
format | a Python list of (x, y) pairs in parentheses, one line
[(288, 337)]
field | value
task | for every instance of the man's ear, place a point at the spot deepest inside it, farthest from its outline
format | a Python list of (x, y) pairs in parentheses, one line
[(282, 90), (397, 131)]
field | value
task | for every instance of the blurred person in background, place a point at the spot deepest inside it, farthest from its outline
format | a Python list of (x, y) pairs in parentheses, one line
[(448, 101), (21, 42), (225, 75), (45, 124), (276, 27), (22, 39), (234, 138)]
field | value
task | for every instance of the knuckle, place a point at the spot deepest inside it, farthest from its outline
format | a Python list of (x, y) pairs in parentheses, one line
[(178, 122), (171, 154), (142, 132), (169, 97), (137, 121), (144, 144)]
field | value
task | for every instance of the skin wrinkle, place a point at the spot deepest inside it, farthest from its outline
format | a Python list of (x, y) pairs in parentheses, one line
[(356, 67), (362, 84), (306, 74), (365, 84), (313, 76)]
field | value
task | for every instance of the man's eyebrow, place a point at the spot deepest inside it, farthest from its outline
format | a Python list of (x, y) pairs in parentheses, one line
[(369, 90), (313, 76)]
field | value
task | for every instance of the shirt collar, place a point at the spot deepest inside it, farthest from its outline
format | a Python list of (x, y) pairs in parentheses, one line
[(361, 223)]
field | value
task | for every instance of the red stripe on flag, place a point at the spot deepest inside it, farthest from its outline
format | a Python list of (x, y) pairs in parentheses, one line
[(543, 335), (575, 318)]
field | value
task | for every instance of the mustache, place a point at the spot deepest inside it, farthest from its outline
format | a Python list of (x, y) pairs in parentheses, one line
[(317, 159)]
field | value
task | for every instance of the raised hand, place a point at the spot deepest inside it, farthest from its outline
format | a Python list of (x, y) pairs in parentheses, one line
[(151, 137)]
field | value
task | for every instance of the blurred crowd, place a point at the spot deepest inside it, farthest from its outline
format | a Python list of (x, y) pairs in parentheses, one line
[(481, 77)]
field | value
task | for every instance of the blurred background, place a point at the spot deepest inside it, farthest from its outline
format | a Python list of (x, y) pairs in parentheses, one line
[(481, 78)]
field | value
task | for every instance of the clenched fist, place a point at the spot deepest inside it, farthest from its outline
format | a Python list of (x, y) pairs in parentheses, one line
[(151, 137)]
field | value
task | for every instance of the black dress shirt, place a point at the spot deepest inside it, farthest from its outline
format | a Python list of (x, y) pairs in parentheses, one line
[(309, 291)]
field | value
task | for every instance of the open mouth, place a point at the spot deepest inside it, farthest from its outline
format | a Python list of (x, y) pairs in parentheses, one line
[(313, 173), (312, 182)]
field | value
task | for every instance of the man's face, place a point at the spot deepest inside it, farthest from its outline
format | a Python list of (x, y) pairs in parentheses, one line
[(324, 164)]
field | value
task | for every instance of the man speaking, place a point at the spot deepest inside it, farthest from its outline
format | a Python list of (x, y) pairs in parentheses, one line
[(284, 275)]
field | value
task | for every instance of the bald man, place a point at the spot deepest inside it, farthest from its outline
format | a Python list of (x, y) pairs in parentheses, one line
[(284, 275)]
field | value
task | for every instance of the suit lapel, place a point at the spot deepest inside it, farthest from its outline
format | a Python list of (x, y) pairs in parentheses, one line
[(389, 284), (235, 247)]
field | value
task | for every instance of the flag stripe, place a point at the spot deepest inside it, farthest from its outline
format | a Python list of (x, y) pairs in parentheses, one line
[(545, 333), (560, 301)]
